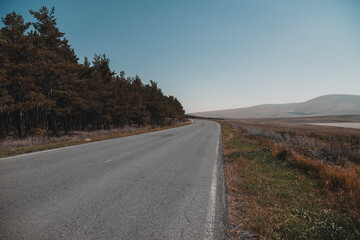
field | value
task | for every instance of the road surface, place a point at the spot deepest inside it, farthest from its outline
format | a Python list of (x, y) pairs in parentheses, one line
[(162, 185)]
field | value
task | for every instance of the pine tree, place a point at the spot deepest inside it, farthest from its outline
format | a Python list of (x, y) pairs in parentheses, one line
[(103, 76), (42, 85), (59, 68), (20, 84)]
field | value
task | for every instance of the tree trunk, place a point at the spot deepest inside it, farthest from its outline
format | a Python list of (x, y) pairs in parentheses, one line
[(54, 124), (27, 123), (8, 123), (20, 124), (66, 127)]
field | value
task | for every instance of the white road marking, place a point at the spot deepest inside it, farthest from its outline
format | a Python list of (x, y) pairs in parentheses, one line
[(111, 159), (21, 156), (124, 155), (210, 219), (18, 157)]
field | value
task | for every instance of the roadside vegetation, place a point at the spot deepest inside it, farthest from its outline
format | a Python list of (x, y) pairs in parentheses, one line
[(14, 146), (332, 158), (45, 91), (280, 189)]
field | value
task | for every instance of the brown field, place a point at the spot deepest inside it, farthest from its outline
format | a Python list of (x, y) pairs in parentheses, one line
[(331, 153), (303, 124), (279, 168)]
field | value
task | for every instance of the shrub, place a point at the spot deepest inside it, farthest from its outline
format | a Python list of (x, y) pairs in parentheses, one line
[(330, 158)]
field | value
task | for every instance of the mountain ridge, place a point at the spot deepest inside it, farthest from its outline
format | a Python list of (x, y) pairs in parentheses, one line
[(332, 104)]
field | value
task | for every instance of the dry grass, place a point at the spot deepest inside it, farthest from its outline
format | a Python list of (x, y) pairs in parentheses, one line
[(276, 200), (332, 159), (11, 142), (12, 146)]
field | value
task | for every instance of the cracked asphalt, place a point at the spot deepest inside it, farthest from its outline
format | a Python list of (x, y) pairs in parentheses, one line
[(162, 185)]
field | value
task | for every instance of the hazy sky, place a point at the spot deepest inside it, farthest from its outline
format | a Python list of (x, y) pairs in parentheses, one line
[(219, 54)]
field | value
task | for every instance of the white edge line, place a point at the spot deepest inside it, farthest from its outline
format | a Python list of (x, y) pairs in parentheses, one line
[(61, 148), (210, 219), (4, 159)]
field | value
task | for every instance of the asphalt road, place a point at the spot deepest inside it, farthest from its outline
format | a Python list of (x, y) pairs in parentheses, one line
[(161, 185)]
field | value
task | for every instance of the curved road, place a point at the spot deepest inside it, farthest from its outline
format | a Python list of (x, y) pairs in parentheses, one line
[(162, 185)]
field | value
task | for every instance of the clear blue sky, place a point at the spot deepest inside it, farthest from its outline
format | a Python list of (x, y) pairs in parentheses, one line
[(219, 54)]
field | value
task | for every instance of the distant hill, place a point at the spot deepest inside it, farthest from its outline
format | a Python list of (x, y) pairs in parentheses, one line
[(336, 104)]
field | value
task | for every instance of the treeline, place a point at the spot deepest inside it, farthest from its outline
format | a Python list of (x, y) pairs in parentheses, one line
[(43, 87)]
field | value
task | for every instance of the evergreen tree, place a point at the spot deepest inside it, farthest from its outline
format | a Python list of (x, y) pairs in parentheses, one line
[(60, 67), (42, 85), (17, 51)]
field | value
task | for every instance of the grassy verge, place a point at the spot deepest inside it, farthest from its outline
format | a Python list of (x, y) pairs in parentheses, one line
[(276, 200), (5, 152), (330, 157)]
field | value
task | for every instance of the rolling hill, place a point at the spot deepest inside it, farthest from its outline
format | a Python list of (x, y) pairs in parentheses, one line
[(335, 104)]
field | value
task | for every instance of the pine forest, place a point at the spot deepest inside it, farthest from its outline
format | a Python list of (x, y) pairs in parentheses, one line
[(43, 86)]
